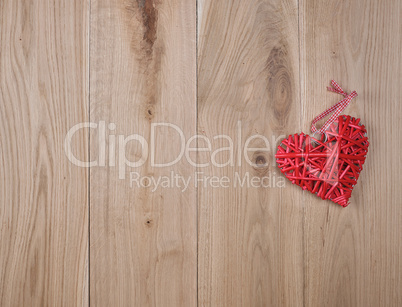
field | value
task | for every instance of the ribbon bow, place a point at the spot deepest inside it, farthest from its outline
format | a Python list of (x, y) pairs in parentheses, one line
[(335, 109)]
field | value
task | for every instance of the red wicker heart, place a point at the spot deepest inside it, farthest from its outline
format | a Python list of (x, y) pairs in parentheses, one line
[(328, 167)]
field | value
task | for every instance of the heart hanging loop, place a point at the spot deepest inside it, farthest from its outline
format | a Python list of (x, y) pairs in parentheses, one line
[(335, 109)]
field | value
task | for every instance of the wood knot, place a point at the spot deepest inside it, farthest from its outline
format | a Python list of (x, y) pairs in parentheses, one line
[(150, 112), (146, 182), (279, 86), (260, 161), (149, 18)]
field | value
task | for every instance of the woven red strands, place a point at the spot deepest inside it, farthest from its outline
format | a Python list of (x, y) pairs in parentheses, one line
[(330, 166)]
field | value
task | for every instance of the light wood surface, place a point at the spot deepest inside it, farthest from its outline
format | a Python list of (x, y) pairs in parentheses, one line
[(73, 236), (353, 256), (250, 238), (43, 197), (143, 244)]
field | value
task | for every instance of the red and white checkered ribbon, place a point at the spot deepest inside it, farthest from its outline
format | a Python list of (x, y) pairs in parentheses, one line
[(336, 109)]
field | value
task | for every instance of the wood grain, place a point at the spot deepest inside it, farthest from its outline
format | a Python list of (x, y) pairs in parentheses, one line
[(43, 197), (250, 239), (262, 69), (353, 255), (143, 71)]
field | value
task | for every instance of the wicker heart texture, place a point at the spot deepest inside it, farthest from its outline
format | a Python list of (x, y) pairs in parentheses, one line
[(330, 165)]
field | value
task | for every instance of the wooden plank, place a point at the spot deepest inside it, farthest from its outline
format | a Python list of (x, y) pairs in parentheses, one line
[(250, 238), (43, 202), (143, 71), (353, 255)]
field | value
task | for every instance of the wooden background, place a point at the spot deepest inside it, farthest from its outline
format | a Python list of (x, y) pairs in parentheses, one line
[(72, 236)]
